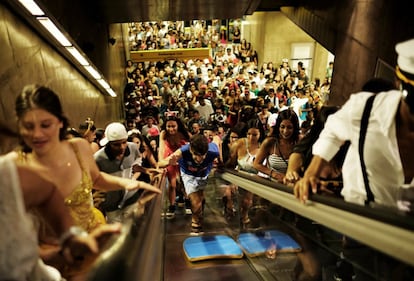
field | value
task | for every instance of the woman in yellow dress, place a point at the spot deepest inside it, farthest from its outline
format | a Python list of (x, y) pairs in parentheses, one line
[(69, 164)]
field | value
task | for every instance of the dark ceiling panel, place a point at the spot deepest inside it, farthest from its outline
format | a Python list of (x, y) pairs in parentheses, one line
[(155, 10)]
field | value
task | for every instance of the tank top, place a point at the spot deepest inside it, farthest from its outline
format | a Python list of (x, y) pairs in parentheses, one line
[(277, 162), (80, 200), (246, 162)]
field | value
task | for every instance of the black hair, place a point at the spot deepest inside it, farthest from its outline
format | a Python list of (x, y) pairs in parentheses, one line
[(181, 127), (73, 132), (99, 134), (287, 114), (240, 129), (304, 146), (256, 123), (141, 140)]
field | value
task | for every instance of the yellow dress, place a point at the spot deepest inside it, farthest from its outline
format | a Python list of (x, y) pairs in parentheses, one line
[(80, 201), (84, 214)]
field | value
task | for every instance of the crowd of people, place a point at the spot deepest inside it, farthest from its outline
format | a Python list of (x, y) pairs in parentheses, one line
[(187, 118), (168, 102), (192, 34), (262, 120)]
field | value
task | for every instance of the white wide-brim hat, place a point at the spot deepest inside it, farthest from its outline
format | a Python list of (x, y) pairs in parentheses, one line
[(405, 51)]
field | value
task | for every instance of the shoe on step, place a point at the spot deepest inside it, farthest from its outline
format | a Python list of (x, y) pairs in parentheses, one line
[(170, 212), (196, 229)]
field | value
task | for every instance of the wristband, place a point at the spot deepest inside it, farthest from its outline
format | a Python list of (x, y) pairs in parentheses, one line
[(72, 231)]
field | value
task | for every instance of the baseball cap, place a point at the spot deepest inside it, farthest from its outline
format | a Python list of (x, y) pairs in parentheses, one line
[(113, 132)]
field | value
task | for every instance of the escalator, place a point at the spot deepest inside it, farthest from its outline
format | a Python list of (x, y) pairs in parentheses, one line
[(339, 241)]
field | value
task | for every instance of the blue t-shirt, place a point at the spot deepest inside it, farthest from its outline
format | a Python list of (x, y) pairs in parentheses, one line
[(190, 167)]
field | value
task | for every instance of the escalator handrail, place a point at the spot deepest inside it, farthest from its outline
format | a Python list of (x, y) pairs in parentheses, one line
[(382, 229), (383, 214), (136, 254)]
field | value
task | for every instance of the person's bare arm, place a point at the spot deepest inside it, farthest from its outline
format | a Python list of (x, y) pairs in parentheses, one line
[(231, 163), (171, 160), (106, 182), (161, 146), (43, 194), (263, 152), (294, 168), (310, 180)]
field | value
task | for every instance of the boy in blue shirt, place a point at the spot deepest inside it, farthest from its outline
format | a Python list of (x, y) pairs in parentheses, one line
[(196, 161)]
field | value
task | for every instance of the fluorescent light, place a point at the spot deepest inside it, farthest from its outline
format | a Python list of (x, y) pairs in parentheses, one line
[(103, 83), (47, 23), (77, 55), (92, 71), (32, 7), (51, 27), (111, 92)]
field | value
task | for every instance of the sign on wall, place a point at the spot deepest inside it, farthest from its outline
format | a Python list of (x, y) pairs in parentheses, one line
[(170, 54)]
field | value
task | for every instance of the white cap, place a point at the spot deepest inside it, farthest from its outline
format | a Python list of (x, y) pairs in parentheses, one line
[(405, 51), (113, 132)]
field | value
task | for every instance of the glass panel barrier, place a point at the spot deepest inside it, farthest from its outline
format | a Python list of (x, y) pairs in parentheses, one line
[(338, 239)]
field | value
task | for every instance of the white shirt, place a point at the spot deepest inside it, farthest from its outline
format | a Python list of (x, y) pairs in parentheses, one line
[(19, 259), (205, 110), (381, 154), (271, 121)]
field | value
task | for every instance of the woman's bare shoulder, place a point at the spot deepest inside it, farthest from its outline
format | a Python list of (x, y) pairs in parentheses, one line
[(268, 142), (162, 134), (82, 144)]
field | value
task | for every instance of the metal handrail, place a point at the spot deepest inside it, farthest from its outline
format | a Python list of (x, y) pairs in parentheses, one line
[(136, 254), (385, 230)]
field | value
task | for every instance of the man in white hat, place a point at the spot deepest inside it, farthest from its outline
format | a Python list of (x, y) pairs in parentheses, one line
[(379, 165), (117, 157)]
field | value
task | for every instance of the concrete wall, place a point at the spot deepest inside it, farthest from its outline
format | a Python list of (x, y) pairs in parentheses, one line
[(272, 35), (26, 59)]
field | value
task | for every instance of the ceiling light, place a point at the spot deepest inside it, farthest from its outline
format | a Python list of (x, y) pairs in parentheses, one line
[(51, 27), (77, 55), (32, 7), (111, 92), (103, 83), (92, 71)]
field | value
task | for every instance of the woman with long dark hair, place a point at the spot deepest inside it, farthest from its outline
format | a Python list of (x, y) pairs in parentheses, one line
[(173, 135), (273, 155), (243, 152), (147, 170)]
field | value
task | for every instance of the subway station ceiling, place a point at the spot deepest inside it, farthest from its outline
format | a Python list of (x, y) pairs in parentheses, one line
[(110, 11)]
